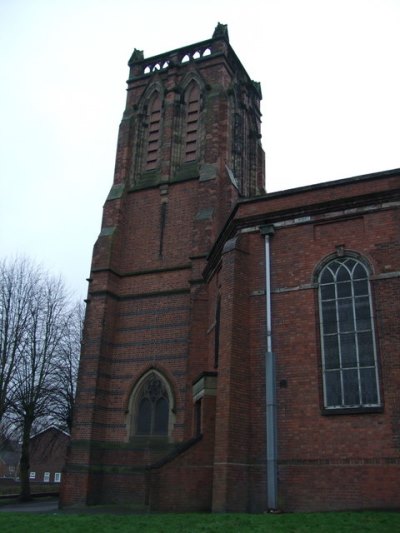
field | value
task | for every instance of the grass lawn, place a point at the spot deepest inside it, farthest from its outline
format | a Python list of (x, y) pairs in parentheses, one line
[(377, 522)]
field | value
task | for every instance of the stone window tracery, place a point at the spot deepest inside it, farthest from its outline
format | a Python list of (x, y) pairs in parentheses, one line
[(349, 361), (151, 407)]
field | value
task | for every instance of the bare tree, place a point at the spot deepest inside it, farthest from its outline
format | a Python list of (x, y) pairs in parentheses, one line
[(68, 364), (34, 382), (35, 326), (17, 283), (40, 335)]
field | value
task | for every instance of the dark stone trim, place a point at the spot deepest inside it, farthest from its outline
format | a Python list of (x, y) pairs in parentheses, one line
[(150, 342), (97, 407), (149, 327), (138, 359), (156, 184), (104, 469), (142, 272), (352, 411), (120, 298), (351, 461), (205, 375), (199, 281), (165, 311)]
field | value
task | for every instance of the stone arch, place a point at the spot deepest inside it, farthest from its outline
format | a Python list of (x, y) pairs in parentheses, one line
[(340, 252), (191, 90), (140, 136), (151, 406)]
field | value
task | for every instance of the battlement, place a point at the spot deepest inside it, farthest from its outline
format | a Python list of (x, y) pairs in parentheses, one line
[(142, 67), (218, 45)]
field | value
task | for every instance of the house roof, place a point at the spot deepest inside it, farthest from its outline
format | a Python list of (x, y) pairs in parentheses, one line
[(50, 428)]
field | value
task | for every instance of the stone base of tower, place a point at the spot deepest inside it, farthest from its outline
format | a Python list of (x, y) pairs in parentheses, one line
[(105, 488), (182, 486), (181, 481), (74, 489)]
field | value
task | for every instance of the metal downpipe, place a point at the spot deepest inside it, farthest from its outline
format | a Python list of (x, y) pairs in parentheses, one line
[(270, 383)]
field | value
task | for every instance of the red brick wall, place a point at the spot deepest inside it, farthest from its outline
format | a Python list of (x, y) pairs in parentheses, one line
[(324, 461), (186, 483), (233, 394)]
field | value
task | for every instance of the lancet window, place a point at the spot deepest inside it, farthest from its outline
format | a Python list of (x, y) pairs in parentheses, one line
[(192, 122), (154, 133), (349, 361), (151, 406)]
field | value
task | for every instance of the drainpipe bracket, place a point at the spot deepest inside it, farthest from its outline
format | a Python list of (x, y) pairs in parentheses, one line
[(267, 229)]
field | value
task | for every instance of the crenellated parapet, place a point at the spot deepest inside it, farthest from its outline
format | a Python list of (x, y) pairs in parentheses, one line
[(145, 67), (215, 47)]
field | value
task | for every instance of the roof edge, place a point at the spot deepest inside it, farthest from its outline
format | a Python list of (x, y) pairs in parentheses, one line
[(323, 185)]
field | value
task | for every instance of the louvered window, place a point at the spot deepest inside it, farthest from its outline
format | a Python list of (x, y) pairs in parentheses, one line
[(154, 133), (192, 122)]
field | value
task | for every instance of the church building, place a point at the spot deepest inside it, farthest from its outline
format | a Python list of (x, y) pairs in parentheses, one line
[(241, 350)]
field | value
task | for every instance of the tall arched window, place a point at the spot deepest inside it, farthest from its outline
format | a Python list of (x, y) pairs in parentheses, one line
[(349, 362), (192, 122), (154, 133), (151, 406)]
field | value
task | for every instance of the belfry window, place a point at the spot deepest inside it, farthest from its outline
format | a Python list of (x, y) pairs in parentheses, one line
[(152, 407), (350, 373), (192, 122), (154, 133)]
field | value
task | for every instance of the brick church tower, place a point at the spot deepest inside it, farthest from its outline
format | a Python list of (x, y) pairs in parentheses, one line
[(188, 148), (241, 349)]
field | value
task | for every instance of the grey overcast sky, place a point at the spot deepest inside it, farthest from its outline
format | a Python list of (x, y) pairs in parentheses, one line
[(329, 71)]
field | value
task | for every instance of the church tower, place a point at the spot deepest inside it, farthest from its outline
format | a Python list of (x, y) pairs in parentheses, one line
[(188, 149)]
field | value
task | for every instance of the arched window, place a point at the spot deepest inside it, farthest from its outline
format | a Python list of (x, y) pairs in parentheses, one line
[(154, 133), (192, 122), (151, 406), (350, 373)]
